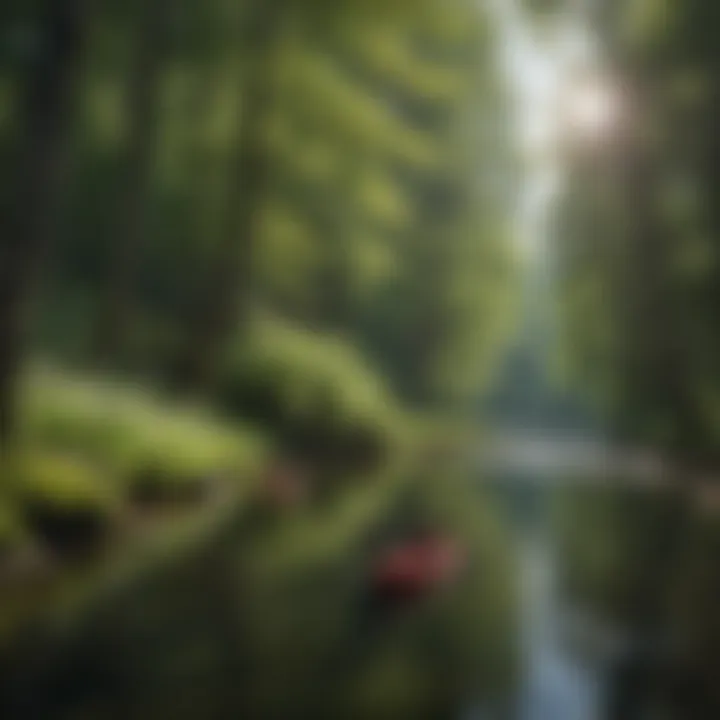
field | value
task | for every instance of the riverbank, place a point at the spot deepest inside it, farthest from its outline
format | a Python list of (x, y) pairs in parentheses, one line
[(645, 560), (203, 604), (258, 605)]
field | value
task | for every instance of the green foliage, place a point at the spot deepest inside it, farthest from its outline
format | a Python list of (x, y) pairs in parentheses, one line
[(316, 393), (63, 483), (283, 608), (303, 587), (183, 460), (479, 616), (638, 255), (317, 173), (81, 415), (66, 501), (363, 107), (153, 447)]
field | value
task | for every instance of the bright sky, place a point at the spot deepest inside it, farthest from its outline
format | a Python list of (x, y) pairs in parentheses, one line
[(541, 65), (539, 62)]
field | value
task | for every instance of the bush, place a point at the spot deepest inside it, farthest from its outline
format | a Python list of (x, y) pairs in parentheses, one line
[(66, 502), (181, 459), (316, 395), (162, 451), (99, 419)]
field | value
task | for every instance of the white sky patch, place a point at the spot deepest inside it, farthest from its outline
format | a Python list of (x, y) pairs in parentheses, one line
[(540, 64)]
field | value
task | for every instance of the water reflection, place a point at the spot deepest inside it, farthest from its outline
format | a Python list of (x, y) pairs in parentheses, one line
[(263, 622), (275, 620), (601, 587), (558, 685)]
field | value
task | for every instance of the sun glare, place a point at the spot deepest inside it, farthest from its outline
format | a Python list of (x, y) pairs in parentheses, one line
[(591, 109)]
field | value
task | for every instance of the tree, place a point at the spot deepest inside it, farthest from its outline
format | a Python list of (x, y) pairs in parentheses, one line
[(30, 212), (225, 300), (285, 161), (142, 105), (225, 304), (639, 232)]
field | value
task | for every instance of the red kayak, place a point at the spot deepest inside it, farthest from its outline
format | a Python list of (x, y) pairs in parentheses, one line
[(414, 569)]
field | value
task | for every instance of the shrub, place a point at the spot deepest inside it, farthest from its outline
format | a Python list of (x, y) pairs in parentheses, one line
[(315, 395), (183, 450), (163, 451), (66, 502), (97, 418), (180, 461)]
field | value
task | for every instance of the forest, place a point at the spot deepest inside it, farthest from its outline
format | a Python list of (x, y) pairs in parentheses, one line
[(272, 274)]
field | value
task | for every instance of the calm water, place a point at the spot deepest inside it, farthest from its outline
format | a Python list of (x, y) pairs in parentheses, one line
[(557, 683), (557, 680), (296, 640)]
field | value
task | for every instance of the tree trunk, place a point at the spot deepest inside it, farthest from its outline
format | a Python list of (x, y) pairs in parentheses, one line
[(30, 213), (143, 102), (224, 308)]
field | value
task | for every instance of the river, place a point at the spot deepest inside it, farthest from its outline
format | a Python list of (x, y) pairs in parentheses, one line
[(560, 679), (557, 685), (556, 682)]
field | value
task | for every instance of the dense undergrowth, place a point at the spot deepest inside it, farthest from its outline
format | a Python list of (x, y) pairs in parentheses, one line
[(90, 445), (90, 448), (317, 396), (255, 597), (277, 620)]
